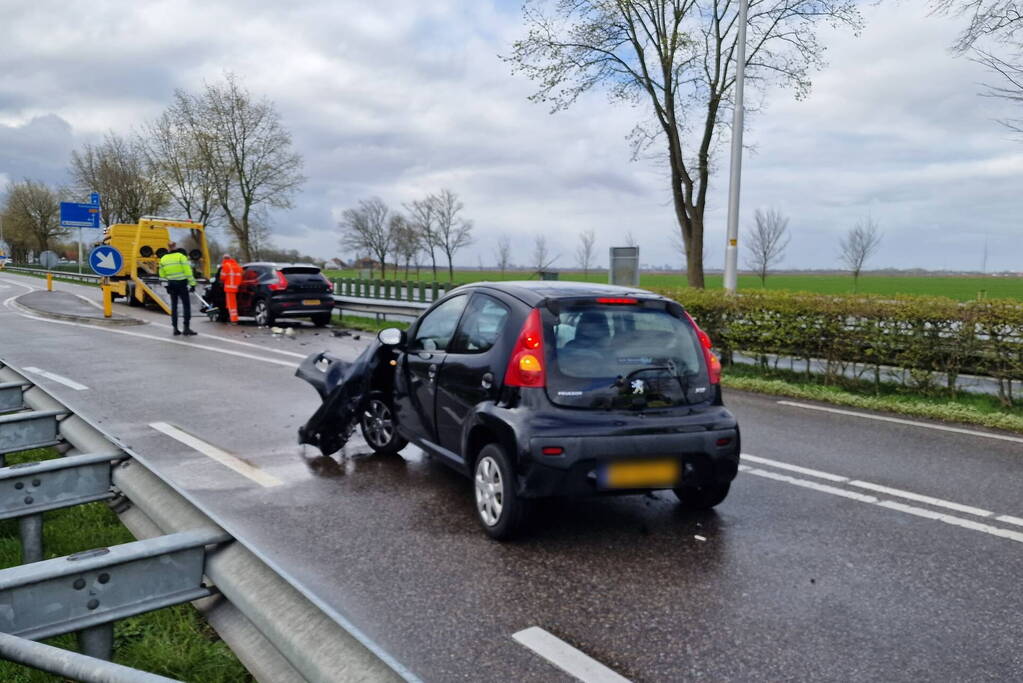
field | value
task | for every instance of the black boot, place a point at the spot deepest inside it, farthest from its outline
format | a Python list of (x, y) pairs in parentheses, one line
[(177, 332), (189, 332)]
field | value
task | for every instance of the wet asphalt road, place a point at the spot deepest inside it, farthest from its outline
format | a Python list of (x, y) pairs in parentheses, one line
[(800, 575)]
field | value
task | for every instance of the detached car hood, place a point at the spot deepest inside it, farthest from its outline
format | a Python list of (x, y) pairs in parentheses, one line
[(343, 387)]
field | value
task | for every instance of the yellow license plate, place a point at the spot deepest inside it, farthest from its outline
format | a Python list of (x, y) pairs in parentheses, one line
[(641, 474), (310, 302)]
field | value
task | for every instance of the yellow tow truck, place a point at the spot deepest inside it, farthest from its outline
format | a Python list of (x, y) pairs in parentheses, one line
[(142, 244)]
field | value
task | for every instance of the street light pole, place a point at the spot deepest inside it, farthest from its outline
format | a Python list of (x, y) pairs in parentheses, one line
[(732, 246)]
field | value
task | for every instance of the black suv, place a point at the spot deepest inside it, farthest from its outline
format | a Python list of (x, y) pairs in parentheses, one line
[(269, 291), (538, 389)]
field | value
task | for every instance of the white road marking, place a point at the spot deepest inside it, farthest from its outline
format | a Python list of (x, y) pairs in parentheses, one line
[(574, 662), (155, 324), (794, 468), (223, 457), (937, 502), (192, 345), (897, 420), (893, 505), (954, 521), (60, 379), (1009, 519)]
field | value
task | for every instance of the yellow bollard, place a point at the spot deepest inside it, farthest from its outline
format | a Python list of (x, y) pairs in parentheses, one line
[(49, 282), (107, 302)]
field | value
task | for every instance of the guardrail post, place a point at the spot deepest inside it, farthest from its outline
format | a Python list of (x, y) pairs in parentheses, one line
[(433, 291), (30, 528), (97, 641), (422, 292)]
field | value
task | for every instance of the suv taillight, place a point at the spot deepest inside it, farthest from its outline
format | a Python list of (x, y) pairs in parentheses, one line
[(713, 364), (281, 284), (526, 365)]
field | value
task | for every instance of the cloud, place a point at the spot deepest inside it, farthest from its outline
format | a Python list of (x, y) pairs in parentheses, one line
[(402, 98)]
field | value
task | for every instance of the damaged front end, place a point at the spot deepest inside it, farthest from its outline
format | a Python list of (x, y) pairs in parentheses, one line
[(343, 386)]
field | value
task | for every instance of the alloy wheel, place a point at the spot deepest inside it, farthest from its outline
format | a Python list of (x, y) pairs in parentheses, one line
[(262, 313), (489, 490), (378, 424)]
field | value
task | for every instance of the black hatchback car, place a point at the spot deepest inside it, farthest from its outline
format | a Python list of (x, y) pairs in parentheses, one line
[(271, 291), (537, 389)]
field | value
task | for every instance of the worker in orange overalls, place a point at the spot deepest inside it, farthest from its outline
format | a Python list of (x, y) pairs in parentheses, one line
[(231, 276)]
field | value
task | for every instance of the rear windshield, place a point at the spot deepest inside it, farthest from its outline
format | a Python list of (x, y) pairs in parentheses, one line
[(625, 357), (300, 270)]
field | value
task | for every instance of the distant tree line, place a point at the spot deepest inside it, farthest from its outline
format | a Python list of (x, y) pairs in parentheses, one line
[(220, 157), (427, 228)]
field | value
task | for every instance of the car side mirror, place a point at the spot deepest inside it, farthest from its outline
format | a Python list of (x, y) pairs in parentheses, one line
[(391, 336)]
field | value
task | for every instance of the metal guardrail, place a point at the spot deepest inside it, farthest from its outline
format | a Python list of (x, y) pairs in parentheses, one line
[(183, 554), (393, 290), (76, 277)]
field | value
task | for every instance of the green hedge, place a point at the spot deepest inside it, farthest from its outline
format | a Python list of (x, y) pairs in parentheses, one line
[(932, 338)]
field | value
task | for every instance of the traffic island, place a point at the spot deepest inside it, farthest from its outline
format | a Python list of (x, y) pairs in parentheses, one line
[(65, 306)]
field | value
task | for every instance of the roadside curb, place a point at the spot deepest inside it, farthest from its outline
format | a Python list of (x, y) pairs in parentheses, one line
[(84, 319)]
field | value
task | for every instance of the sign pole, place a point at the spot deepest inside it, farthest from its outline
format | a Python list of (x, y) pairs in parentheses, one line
[(79, 250), (732, 245)]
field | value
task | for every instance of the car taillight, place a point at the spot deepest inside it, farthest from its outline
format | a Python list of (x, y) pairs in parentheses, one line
[(327, 282), (713, 364), (525, 367), (282, 282)]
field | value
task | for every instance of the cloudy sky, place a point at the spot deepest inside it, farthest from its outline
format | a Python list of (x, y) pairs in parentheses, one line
[(403, 97)]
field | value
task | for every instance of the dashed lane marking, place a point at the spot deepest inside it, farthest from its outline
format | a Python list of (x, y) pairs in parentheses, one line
[(893, 505), (572, 661), (897, 420), (223, 457), (59, 379)]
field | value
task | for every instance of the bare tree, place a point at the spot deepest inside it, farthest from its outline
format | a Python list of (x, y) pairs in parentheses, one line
[(630, 239), (679, 245), (31, 217), (117, 169), (367, 229), (766, 241), (503, 253), (176, 164), (1001, 20), (246, 149), (405, 242), (453, 232), (1010, 86), (423, 216), (542, 257), (859, 244), (677, 56), (585, 251)]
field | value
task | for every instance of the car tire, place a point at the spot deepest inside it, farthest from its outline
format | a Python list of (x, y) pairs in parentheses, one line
[(499, 508), (702, 497), (379, 427), (321, 319), (263, 313)]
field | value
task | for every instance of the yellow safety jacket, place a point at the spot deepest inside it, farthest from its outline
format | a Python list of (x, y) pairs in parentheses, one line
[(174, 266)]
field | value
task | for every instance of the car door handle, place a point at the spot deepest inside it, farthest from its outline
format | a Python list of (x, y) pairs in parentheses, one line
[(432, 372), (487, 381)]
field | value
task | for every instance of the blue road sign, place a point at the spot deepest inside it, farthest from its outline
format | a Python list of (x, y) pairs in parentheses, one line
[(77, 215), (106, 260)]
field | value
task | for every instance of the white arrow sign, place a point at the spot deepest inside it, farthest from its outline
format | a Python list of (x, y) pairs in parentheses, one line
[(106, 261)]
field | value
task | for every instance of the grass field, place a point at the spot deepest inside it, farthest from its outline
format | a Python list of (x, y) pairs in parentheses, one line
[(962, 288)]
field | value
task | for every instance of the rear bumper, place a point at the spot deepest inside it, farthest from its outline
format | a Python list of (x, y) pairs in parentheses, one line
[(578, 471), (297, 309)]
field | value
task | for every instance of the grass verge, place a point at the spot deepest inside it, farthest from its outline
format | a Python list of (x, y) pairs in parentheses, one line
[(353, 322), (175, 642), (975, 409)]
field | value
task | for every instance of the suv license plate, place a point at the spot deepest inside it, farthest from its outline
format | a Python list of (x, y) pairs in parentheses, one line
[(639, 474), (310, 302)]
